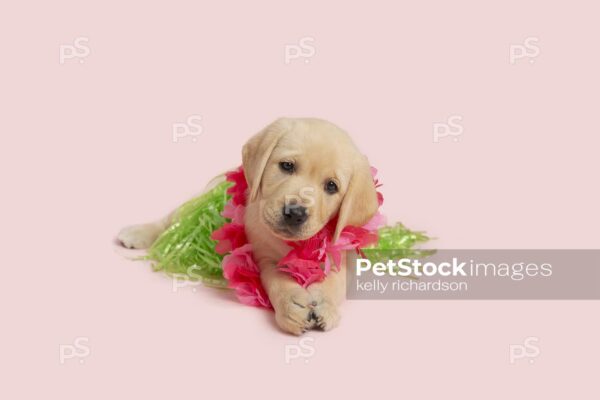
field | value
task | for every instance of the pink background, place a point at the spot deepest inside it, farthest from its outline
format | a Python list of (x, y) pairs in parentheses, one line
[(87, 148)]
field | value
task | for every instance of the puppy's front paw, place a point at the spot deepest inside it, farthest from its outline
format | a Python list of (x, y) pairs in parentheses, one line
[(327, 316), (325, 311), (294, 311), (139, 236)]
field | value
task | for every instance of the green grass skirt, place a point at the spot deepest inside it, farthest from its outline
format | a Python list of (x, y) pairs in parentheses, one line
[(186, 250)]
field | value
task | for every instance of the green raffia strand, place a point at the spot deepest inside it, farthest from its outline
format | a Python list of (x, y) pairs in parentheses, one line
[(396, 242), (186, 250)]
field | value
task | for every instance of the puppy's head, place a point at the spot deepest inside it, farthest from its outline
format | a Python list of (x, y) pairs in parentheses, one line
[(304, 172)]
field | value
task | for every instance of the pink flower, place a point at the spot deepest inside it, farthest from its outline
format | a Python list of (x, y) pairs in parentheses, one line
[(243, 276), (351, 238), (376, 222), (230, 236), (309, 260), (304, 261), (377, 184), (234, 213), (240, 186), (302, 270)]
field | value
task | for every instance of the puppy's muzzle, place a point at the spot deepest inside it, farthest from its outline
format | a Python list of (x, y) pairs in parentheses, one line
[(294, 216)]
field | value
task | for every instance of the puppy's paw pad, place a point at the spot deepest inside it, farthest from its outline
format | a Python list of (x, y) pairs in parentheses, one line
[(138, 236)]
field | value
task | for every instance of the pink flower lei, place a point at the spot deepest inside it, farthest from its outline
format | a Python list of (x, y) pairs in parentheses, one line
[(307, 261)]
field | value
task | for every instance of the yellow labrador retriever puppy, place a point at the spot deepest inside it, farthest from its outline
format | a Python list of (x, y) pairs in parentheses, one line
[(315, 165)]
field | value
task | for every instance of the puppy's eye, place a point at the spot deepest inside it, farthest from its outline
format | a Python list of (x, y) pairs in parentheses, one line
[(287, 166), (331, 187)]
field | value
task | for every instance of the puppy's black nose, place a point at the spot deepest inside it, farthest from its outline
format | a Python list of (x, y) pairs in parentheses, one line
[(294, 215)]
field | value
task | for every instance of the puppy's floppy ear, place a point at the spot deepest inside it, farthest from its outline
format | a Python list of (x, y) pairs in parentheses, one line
[(256, 153), (360, 201)]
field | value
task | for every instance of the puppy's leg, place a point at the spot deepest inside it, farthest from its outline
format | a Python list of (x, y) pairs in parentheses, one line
[(328, 295), (294, 306), (142, 236)]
